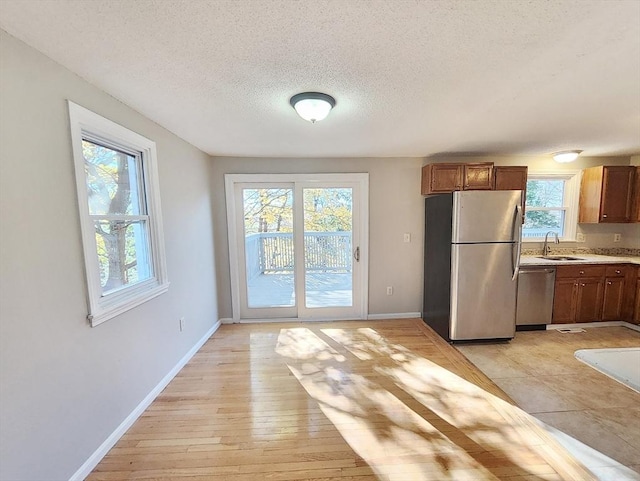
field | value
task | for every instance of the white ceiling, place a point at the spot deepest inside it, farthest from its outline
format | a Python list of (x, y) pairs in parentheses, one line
[(411, 77)]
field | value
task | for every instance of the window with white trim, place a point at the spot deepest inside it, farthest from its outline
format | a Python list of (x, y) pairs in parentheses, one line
[(551, 205), (119, 203)]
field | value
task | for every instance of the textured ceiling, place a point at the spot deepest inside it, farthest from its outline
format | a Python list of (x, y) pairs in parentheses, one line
[(411, 77)]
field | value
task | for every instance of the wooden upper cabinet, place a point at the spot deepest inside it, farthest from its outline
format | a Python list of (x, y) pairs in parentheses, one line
[(478, 176), (635, 200), (443, 178), (606, 194), (511, 178)]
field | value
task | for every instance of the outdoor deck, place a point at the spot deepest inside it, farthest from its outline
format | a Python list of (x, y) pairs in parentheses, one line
[(323, 289)]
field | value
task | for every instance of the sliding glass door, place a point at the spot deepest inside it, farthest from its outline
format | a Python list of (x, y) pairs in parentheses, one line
[(298, 247)]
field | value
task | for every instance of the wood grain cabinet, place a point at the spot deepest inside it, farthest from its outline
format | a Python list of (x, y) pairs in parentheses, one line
[(635, 202), (512, 178), (636, 310), (443, 178), (615, 293), (606, 194), (579, 291), (591, 293)]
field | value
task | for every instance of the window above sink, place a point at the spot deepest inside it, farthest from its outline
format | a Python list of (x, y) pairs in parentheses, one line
[(551, 205)]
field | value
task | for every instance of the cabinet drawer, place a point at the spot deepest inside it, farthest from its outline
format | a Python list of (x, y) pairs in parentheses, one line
[(581, 270), (616, 271)]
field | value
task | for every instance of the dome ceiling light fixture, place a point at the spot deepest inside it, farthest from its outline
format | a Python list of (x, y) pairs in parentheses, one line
[(566, 156), (312, 106)]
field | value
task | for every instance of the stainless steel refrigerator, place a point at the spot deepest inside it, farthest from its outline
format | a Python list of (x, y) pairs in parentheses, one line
[(472, 257)]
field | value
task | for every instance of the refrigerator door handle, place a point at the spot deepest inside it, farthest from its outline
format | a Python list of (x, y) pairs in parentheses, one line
[(517, 227)]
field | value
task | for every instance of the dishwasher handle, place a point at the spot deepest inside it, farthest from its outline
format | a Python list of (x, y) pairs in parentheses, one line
[(536, 271)]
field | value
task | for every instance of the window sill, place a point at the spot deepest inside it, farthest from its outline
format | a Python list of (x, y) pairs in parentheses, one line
[(125, 304)]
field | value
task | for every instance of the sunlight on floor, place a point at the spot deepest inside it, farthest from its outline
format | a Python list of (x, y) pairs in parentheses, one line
[(407, 417)]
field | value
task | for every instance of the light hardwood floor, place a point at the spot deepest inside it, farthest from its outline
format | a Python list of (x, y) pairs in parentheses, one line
[(349, 401), (540, 373)]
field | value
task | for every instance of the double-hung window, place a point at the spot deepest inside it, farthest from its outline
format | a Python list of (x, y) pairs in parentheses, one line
[(551, 205), (117, 184)]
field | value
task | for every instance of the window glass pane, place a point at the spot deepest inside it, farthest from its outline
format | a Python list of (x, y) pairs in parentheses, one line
[(113, 180), (538, 222), (123, 253), (328, 226), (269, 250), (545, 193)]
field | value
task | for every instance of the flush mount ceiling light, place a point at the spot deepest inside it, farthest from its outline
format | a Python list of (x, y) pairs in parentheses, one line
[(566, 156), (312, 106)]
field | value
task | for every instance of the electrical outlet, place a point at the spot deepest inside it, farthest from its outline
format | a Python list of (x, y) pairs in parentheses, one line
[(407, 237), (580, 237), (182, 324), (617, 237), (389, 290)]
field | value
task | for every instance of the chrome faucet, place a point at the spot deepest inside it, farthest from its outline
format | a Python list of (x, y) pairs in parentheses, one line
[(546, 248)]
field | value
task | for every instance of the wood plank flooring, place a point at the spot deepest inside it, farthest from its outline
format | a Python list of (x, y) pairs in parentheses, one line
[(348, 401), (539, 371)]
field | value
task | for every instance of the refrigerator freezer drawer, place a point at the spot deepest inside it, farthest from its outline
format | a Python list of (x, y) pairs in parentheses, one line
[(481, 216), (483, 294)]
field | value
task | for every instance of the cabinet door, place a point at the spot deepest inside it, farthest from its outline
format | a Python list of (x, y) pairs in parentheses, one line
[(564, 301), (617, 189), (441, 178), (636, 311), (511, 178), (613, 299), (478, 176), (635, 201), (589, 300)]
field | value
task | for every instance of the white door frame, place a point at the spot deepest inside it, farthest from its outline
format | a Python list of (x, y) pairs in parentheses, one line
[(362, 179)]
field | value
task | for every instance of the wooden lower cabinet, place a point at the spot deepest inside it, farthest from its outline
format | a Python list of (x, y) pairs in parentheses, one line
[(612, 308), (564, 301), (589, 300), (591, 293), (577, 300), (636, 311)]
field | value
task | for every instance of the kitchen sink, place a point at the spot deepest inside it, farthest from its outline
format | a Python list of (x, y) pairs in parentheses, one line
[(561, 258)]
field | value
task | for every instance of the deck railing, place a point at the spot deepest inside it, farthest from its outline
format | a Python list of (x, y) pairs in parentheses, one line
[(271, 252)]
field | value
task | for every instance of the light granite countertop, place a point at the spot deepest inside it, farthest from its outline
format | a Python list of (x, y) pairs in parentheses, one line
[(535, 260)]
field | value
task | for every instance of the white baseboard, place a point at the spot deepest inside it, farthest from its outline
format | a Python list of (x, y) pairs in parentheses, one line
[(594, 324), (371, 317), (113, 438), (395, 315)]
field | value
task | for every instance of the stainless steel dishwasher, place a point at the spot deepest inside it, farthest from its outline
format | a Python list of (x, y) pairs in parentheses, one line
[(535, 297)]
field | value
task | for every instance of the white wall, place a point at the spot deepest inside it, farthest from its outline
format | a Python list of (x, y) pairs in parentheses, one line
[(64, 385), (395, 207)]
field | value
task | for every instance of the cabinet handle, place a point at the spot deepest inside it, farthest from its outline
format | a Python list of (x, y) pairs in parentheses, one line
[(582, 273), (583, 285), (604, 215), (617, 271), (608, 283)]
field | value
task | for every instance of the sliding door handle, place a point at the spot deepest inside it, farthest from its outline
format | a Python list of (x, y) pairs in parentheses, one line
[(356, 254)]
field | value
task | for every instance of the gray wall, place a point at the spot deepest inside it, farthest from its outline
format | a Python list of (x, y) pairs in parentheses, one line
[(395, 207), (66, 386)]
